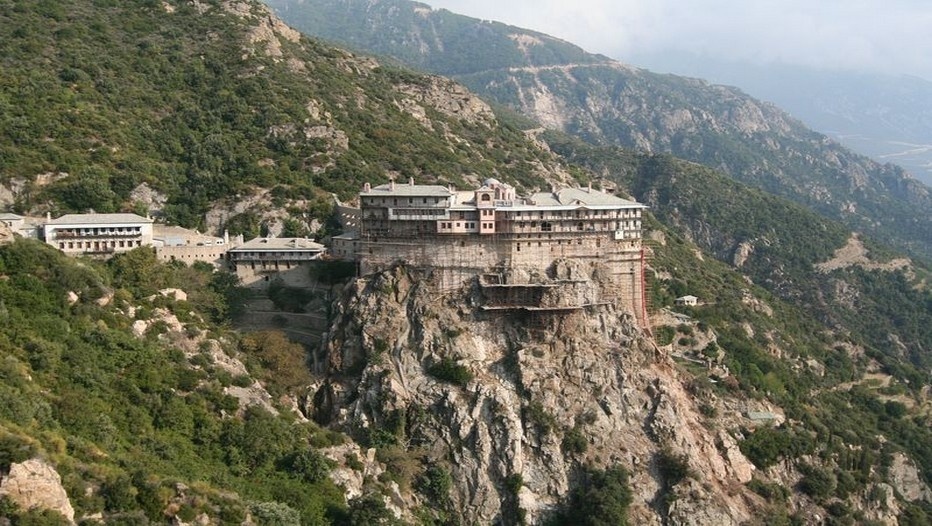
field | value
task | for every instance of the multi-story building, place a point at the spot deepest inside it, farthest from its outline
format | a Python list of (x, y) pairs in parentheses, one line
[(461, 234), (260, 260), (97, 234)]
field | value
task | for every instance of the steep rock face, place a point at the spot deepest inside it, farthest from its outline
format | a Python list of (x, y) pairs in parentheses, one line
[(35, 484), (531, 380)]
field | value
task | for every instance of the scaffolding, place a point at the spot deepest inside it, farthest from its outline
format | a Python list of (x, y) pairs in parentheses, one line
[(497, 260)]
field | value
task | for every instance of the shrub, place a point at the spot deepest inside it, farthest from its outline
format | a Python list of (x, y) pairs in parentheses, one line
[(451, 372), (601, 498), (310, 465), (368, 510), (768, 491), (288, 299), (817, 482), (574, 443), (435, 484), (275, 513), (514, 483), (664, 335), (673, 467), (536, 415)]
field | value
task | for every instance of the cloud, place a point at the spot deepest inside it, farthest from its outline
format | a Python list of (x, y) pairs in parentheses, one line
[(866, 35)]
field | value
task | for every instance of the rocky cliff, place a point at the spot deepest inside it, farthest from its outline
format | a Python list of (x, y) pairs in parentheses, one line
[(533, 402), (34, 484)]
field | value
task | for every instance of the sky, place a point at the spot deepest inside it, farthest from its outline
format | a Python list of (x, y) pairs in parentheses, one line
[(885, 36)]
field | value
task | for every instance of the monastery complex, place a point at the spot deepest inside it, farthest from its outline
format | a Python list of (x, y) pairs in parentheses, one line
[(507, 240)]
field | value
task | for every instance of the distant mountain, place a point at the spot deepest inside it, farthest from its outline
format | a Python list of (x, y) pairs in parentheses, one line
[(888, 117), (417, 406), (607, 102)]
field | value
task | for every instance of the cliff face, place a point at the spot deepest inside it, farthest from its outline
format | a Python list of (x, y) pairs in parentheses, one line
[(525, 385)]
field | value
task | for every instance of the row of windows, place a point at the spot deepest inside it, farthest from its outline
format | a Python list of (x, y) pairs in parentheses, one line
[(419, 211), (97, 245), (449, 225), (394, 201), (598, 243), (105, 231)]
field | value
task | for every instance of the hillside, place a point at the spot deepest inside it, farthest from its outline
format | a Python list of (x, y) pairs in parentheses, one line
[(888, 117), (418, 407), (208, 102), (607, 102), (147, 406)]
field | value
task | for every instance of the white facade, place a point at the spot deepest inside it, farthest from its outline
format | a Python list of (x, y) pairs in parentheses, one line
[(98, 234), (260, 260), (688, 301)]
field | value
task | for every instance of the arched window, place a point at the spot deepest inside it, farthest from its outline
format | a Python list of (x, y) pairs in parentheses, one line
[(486, 197)]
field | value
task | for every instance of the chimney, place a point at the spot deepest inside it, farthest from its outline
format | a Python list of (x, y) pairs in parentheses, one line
[(367, 188), (411, 181), (48, 216), (590, 187), (391, 185)]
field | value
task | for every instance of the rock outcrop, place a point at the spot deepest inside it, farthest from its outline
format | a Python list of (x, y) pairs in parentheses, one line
[(34, 484), (526, 381), (6, 235)]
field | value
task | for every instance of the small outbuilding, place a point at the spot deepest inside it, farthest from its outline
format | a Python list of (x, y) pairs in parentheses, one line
[(687, 301), (259, 260)]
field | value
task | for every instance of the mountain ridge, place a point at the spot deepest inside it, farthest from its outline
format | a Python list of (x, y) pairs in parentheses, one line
[(714, 125), (427, 407)]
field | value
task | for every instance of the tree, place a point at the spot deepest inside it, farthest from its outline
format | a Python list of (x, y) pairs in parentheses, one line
[(601, 499)]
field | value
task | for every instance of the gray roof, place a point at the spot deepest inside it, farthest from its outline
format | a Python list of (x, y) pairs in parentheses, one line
[(762, 415), (97, 219), (408, 190), (279, 244), (581, 197), (10, 217)]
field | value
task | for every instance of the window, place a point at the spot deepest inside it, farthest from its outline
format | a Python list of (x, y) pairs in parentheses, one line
[(546, 227), (486, 197)]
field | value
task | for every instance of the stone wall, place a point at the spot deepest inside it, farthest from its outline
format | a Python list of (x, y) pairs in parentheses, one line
[(452, 260), (259, 276), (189, 254)]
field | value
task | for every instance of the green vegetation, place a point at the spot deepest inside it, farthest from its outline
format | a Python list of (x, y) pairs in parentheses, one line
[(288, 299), (387, 28), (447, 370), (120, 93), (126, 419), (715, 126), (574, 441), (600, 498)]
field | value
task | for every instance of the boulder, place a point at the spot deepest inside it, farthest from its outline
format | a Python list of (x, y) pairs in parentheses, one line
[(35, 484)]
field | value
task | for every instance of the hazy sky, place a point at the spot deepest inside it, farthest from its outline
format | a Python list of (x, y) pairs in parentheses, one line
[(893, 36)]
